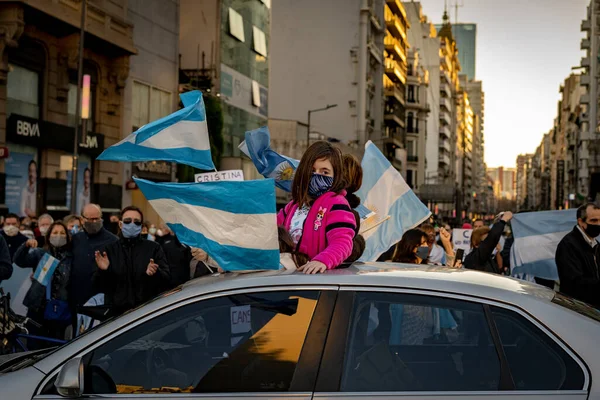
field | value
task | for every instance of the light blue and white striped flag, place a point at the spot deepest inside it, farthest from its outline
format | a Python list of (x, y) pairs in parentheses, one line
[(181, 137), (45, 269), (537, 235), (234, 222), (267, 161), (397, 208)]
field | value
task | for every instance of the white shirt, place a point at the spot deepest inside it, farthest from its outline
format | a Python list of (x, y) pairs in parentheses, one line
[(591, 242), (297, 224)]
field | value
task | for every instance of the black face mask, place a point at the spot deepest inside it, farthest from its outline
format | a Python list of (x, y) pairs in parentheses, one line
[(592, 231)]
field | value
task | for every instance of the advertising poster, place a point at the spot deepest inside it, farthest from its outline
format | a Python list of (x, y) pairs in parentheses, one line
[(84, 185), (461, 239), (21, 188)]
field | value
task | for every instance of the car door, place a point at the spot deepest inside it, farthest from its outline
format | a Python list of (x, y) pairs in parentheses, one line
[(394, 343), (265, 343)]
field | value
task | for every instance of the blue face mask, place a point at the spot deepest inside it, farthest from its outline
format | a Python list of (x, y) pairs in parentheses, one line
[(131, 230), (319, 185), (423, 252)]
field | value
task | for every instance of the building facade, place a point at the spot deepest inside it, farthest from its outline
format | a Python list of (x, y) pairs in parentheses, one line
[(38, 99), (464, 150), (522, 188), (225, 48), (151, 90), (466, 41)]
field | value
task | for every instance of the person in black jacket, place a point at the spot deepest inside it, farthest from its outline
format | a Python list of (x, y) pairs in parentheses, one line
[(132, 270), (178, 256), (483, 242), (6, 268), (10, 232), (578, 257)]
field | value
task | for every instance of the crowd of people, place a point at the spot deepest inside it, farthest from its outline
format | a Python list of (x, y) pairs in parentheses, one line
[(130, 260)]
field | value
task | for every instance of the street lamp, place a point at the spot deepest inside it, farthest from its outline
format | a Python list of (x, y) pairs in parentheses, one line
[(314, 111)]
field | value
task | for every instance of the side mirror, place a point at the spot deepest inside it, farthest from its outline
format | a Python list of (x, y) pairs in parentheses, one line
[(69, 382)]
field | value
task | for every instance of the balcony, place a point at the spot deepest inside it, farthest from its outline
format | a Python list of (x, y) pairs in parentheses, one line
[(444, 160), (585, 62), (395, 90), (394, 24), (584, 99), (395, 6), (445, 103), (445, 118), (394, 47), (445, 132), (585, 44), (584, 80), (445, 76), (412, 159), (394, 116), (445, 144), (375, 51), (395, 71), (586, 25)]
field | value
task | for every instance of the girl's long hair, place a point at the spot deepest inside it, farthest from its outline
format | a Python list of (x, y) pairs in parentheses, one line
[(317, 151), (405, 249), (353, 173)]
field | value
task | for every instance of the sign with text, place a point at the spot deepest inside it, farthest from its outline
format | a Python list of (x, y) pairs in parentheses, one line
[(231, 175), (241, 319), (4, 153), (461, 239)]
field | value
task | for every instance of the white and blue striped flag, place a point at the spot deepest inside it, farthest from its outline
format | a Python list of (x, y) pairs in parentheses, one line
[(269, 163), (537, 235), (397, 208), (45, 269), (181, 137), (234, 222)]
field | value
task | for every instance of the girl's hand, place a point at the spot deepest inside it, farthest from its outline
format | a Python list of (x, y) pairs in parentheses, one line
[(313, 267), (31, 243)]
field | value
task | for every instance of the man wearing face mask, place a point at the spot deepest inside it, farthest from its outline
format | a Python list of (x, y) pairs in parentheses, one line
[(132, 270), (484, 246), (11, 234), (6, 268), (93, 238), (578, 257), (44, 222)]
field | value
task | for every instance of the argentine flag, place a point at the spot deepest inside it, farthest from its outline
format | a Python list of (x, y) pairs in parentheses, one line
[(397, 208), (181, 137), (537, 235), (268, 162), (234, 222), (45, 269)]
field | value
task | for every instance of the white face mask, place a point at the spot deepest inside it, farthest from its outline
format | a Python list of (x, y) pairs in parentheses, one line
[(11, 230), (44, 230)]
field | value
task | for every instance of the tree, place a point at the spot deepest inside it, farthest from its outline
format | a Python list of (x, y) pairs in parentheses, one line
[(214, 121)]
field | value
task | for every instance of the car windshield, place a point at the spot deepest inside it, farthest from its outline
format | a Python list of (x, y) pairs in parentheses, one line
[(578, 306)]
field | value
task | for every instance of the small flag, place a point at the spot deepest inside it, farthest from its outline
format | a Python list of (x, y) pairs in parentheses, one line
[(397, 208), (45, 269), (234, 222), (537, 235), (181, 137), (268, 162)]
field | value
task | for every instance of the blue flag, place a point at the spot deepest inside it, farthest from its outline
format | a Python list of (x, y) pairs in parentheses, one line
[(268, 162), (537, 235), (45, 269), (397, 208), (181, 137), (234, 222)]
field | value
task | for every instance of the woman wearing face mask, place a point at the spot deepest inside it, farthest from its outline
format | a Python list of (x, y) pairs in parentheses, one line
[(318, 218), (484, 247), (148, 231), (413, 248), (132, 270), (48, 305)]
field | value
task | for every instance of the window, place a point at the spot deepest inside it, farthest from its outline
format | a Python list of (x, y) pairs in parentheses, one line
[(22, 92), (149, 104), (239, 343), (260, 41), (236, 25), (410, 117), (255, 94), (411, 93), (406, 342), (409, 178), (536, 361), (411, 148)]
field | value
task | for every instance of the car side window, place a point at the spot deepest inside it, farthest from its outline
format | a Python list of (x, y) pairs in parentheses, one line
[(536, 361), (239, 343), (406, 342)]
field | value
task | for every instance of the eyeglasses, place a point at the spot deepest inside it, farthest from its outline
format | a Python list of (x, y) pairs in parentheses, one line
[(127, 221)]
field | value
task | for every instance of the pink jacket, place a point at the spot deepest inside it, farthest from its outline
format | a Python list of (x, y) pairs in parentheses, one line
[(328, 229)]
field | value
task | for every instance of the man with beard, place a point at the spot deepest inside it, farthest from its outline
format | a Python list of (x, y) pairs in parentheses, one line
[(29, 192), (94, 237)]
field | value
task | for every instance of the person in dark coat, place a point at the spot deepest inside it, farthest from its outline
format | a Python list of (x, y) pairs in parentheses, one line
[(11, 234), (483, 243), (57, 241), (85, 244), (6, 268), (178, 256), (132, 270), (578, 257)]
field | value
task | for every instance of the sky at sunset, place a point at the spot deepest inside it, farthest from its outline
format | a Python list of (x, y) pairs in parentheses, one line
[(525, 50)]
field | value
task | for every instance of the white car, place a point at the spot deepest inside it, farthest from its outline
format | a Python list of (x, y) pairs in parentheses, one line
[(370, 331)]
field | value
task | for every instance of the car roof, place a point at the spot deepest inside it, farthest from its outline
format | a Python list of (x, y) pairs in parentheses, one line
[(408, 276)]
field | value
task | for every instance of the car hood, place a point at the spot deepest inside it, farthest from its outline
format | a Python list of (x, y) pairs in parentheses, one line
[(8, 360)]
